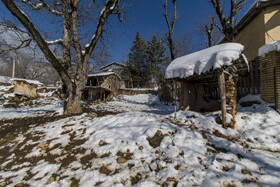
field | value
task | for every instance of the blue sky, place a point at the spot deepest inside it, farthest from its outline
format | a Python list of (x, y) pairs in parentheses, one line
[(146, 17)]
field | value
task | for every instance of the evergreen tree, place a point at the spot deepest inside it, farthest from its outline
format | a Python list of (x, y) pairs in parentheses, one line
[(155, 57), (137, 56)]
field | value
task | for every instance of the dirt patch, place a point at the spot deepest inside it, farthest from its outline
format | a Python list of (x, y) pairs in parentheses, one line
[(249, 180), (74, 182), (156, 139), (245, 171), (100, 113), (105, 170), (135, 179), (214, 149), (86, 160), (220, 135), (23, 124)]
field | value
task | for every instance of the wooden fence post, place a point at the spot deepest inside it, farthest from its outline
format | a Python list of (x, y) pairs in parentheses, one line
[(257, 76), (276, 89), (174, 95), (222, 87), (252, 78)]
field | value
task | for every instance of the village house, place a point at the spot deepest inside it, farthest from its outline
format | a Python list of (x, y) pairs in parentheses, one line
[(119, 69), (27, 87), (101, 85), (259, 26), (128, 75)]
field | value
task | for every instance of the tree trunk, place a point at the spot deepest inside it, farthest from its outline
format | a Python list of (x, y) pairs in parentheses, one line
[(72, 103), (171, 48)]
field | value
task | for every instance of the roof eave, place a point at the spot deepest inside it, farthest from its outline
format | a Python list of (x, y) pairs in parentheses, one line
[(251, 14), (111, 64)]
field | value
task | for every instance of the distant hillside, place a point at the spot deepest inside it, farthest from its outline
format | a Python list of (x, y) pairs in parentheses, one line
[(29, 64)]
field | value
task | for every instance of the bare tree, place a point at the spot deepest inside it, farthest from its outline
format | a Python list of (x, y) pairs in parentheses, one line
[(184, 44), (100, 57), (170, 25), (210, 30), (227, 23), (70, 13)]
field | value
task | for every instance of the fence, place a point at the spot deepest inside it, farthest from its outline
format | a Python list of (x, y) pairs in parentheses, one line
[(250, 82)]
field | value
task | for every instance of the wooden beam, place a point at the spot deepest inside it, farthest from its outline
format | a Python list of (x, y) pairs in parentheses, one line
[(222, 87)]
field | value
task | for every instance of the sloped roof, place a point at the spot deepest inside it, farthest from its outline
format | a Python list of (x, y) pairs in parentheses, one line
[(28, 81), (103, 74), (116, 63)]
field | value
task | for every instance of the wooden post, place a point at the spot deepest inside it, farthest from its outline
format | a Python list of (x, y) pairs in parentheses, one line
[(276, 90), (257, 76), (182, 97), (100, 94), (252, 78), (222, 87), (174, 95)]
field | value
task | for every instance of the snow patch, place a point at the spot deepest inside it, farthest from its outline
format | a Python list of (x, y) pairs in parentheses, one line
[(273, 46)]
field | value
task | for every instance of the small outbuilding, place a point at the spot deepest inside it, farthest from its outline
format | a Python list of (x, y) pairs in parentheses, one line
[(269, 62), (209, 78), (27, 87), (100, 85)]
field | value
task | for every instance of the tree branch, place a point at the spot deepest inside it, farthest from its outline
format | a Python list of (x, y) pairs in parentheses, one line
[(218, 7), (41, 6), (25, 21), (110, 7)]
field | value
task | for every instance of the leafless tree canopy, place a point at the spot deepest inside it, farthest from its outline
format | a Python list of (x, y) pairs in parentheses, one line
[(73, 16), (227, 23)]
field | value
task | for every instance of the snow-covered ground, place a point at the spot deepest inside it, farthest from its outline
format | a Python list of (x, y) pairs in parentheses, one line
[(41, 106), (144, 144)]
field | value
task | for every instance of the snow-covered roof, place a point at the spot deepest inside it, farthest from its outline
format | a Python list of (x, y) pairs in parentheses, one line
[(204, 60), (102, 74), (273, 46), (29, 81)]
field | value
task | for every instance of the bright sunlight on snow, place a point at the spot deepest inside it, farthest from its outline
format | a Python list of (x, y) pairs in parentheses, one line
[(138, 141)]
